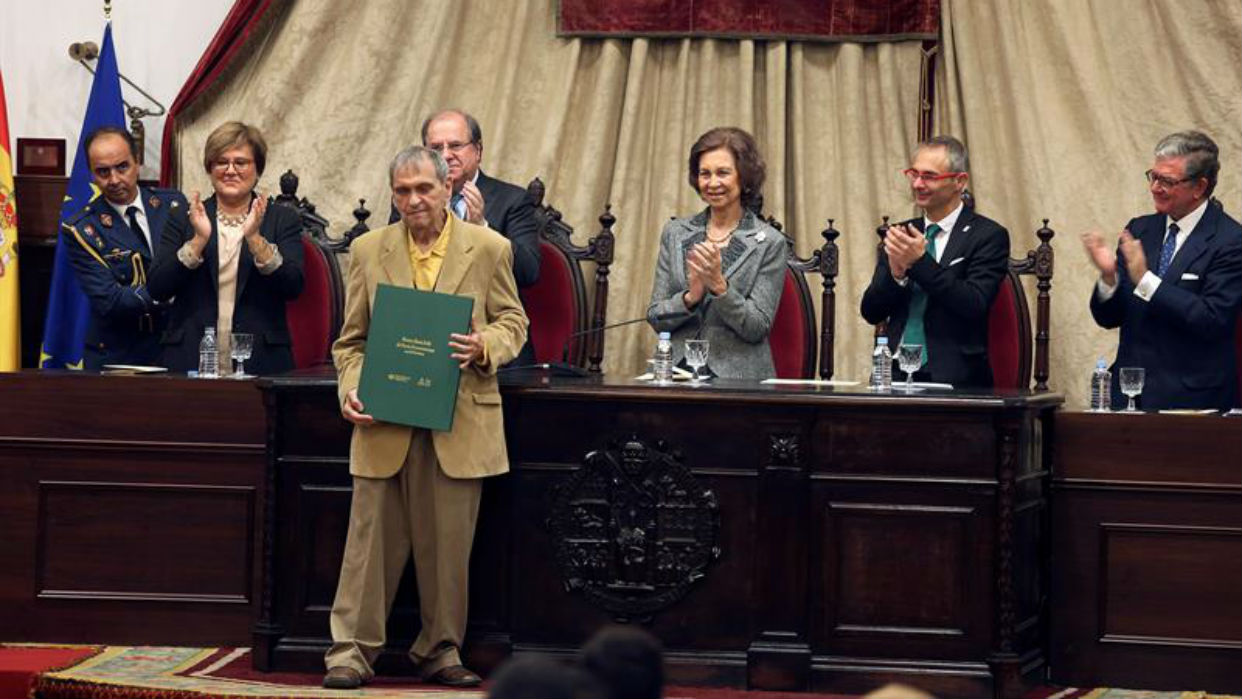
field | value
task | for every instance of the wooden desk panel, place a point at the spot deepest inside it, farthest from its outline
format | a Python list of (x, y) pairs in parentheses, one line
[(132, 506), (853, 548), (1147, 542)]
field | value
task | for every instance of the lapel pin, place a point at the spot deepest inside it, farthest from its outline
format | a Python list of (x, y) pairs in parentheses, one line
[(89, 229), (761, 236), (154, 202), (965, 228), (106, 220)]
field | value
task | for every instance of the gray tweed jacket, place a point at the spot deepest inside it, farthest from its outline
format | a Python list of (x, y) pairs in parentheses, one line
[(737, 323)]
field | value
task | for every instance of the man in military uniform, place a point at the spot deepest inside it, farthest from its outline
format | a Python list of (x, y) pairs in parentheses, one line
[(110, 244)]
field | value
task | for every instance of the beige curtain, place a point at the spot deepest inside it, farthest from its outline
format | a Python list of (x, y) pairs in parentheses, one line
[(1061, 103), (338, 88)]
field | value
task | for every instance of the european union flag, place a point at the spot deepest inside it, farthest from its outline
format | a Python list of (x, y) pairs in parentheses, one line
[(68, 311)]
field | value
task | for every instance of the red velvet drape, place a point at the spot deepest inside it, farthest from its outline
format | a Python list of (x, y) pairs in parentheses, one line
[(232, 35), (825, 20)]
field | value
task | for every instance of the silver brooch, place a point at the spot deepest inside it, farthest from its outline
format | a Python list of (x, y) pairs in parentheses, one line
[(761, 236)]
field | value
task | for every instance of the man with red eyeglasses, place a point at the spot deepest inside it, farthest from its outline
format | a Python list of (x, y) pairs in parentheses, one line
[(939, 273), (1174, 284)]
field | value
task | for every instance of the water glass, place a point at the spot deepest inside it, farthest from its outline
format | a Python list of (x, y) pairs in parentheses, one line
[(243, 345), (696, 357), (1132, 378), (910, 359)]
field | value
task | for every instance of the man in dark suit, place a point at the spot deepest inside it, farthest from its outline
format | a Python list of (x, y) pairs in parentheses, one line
[(938, 274), (482, 200), (111, 244), (1174, 285)]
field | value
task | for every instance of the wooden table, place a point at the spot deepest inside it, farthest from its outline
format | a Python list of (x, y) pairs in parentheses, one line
[(1147, 552), (772, 537)]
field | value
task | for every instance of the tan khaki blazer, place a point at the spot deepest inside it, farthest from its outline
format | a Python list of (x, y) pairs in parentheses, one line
[(479, 264)]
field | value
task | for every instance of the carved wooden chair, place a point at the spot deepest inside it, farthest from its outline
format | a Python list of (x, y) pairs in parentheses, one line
[(1013, 349), (563, 327), (1009, 320), (792, 337), (315, 316)]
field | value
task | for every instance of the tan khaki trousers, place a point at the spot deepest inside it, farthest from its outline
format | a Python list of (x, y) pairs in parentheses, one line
[(421, 509)]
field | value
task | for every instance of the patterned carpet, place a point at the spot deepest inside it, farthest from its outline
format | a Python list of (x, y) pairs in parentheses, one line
[(193, 673)]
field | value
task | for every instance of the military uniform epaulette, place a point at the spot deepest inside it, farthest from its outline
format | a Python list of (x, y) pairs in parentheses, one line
[(160, 196)]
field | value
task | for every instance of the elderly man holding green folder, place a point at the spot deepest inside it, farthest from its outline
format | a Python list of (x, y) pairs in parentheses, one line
[(416, 489)]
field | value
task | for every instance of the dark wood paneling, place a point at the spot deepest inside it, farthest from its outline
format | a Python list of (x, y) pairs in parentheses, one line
[(1154, 579), (136, 541), (132, 506), (1147, 552), (39, 198)]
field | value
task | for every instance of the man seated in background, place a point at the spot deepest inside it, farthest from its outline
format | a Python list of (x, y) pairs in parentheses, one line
[(939, 273), (485, 201)]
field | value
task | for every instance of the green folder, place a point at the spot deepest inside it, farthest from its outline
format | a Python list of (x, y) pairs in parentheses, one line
[(407, 374)]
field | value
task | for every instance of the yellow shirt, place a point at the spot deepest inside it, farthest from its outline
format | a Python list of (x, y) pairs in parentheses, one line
[(426, 265)]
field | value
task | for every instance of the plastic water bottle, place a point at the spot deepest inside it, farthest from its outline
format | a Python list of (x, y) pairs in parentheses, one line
[(882, 366), (662, 364), (209, 355), (1101, 387)]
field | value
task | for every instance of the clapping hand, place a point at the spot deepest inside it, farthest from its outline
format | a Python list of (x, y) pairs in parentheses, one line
[(903, 245), (199, 220), (474, 203), (705, 263), (254, 218), (1136, 259), (1101, 256)]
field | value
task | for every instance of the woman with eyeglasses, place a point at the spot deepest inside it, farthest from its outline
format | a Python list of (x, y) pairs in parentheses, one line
[(230, 262)]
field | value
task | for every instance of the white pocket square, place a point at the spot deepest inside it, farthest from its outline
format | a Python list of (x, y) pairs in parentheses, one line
[(956, 261), (1189, 277)]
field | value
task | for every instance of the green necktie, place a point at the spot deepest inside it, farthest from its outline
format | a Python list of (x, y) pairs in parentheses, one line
[(914, 333)]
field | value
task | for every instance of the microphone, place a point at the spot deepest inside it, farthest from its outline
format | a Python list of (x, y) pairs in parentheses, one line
[(564, 368)]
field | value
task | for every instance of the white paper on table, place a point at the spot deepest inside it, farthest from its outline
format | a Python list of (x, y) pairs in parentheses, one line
[(679, 374), (808, 382), (133, 368)]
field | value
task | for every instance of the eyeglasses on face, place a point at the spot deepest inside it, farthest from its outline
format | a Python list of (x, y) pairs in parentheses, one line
[(454, 146), (238, 164), (914, 175), (1164, 182)]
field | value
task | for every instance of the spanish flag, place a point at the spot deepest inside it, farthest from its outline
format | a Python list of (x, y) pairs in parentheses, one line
[(10, 308)]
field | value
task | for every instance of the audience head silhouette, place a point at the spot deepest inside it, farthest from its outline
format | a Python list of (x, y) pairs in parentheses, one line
[(627, 661)]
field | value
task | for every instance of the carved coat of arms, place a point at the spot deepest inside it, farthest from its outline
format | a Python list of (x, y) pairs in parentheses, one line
[(633, 529)]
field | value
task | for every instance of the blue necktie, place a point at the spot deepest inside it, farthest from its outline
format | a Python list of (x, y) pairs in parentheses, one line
[(458, 204), (915, 333), (1166, 252)]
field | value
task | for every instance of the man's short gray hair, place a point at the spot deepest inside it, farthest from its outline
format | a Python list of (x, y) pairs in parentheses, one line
[(1201, 154), (959, 161), (411, 155)]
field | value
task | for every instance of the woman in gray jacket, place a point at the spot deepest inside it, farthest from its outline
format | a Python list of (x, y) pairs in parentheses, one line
[(721, 271)]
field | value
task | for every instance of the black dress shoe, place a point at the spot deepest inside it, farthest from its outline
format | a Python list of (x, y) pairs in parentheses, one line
[(455, 676), (342, 678)]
